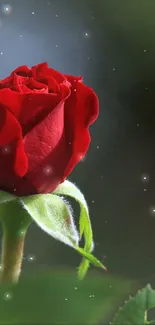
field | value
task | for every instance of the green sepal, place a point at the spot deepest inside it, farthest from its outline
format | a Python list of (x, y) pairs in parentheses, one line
[(53, 214), (69, 189)]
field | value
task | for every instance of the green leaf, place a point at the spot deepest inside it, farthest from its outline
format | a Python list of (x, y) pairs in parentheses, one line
[(135, 309), (57, 297), (53, 215), (6, 197), (69, 189)]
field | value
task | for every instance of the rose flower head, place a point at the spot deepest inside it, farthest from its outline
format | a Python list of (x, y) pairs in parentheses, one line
[(44, 128)]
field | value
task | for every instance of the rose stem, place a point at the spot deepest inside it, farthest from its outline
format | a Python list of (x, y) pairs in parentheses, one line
[(14, 231)]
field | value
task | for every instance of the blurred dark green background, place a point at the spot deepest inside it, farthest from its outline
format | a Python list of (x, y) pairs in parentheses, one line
[(112, 44)]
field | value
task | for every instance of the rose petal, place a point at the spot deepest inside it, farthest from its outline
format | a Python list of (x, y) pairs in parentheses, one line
[(35, 85), (10, 132), (81, 110), (23, 70), (6, 83), (47, 153), (11, 100), (36, 106), (21, 161), (43, 71), (73, 79)]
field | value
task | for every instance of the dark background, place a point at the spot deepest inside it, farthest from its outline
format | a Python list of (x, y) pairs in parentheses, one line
[(112, 44)]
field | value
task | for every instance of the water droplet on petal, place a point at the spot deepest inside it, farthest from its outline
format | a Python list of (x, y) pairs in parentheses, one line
[(75, 288), (66, 298)]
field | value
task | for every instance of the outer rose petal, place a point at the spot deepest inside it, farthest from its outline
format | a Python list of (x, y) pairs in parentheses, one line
[(11, 137), (11, 100), (81, 110), (47, 152)]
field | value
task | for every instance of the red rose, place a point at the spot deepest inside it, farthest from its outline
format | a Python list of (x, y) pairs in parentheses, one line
[(44, 120)]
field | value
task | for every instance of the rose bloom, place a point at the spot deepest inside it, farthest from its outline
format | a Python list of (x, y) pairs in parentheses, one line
[(44, 121)]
